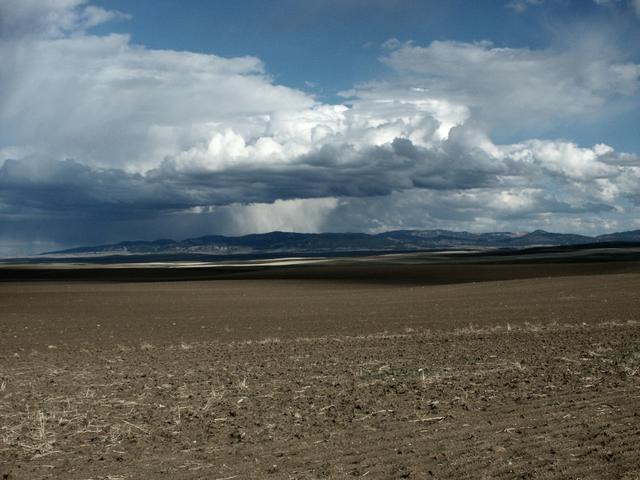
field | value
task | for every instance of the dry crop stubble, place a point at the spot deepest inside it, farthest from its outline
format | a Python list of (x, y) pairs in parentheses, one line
[(521, 377), (541, 400)]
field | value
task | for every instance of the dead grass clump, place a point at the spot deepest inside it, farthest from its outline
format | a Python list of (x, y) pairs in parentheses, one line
[(213, 398), (33, 431)]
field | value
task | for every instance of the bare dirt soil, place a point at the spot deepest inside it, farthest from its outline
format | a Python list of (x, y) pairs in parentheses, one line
[(535, 377)]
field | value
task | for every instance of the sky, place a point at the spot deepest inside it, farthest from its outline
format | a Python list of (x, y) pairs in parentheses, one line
[(146, 119)]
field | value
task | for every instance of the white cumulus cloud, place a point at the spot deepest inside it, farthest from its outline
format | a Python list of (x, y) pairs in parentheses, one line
[(517, 84)]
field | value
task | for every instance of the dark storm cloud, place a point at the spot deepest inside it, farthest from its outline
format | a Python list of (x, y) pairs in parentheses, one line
[(331, 171), (396, 185)]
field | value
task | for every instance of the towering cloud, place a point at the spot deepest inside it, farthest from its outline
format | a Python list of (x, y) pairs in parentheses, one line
[(102, 139)]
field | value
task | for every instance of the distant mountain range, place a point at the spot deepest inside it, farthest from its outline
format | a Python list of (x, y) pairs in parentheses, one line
[(326, 243)]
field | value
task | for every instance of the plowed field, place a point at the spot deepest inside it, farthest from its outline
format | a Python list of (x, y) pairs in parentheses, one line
[(272, 378)]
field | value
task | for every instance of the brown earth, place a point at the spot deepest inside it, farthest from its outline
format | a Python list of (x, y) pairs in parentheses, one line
[(527, 376)]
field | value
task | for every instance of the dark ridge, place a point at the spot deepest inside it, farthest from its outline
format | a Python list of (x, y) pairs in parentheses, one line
[(300, 244)]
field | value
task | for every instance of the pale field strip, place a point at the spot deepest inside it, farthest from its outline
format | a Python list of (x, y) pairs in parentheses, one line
[(176, 264)]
